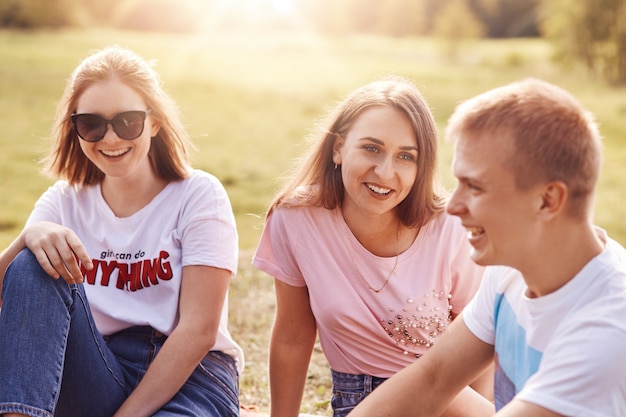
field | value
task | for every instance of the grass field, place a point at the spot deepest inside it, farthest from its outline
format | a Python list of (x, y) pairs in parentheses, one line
[(249, 103)]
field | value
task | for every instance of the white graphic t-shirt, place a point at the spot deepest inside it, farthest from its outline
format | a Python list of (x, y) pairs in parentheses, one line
[(138, 260)]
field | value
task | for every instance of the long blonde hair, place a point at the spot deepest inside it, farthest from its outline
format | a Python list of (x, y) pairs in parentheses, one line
[(169, 148), (316, 182)]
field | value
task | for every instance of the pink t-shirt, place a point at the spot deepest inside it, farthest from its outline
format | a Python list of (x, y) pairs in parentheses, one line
[(363, 332)]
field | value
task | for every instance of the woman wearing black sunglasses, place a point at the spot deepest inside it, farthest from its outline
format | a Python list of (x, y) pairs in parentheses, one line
[(114, 300)]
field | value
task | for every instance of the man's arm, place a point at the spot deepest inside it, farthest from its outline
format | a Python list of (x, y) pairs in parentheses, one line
[(519, 408), (429, 385)]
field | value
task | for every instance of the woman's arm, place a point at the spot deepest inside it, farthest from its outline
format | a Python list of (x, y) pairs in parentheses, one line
[(202, 297), (7, 256), (291, 345)]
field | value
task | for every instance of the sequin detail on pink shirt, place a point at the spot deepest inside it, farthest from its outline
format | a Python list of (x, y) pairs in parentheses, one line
[(419, 322)]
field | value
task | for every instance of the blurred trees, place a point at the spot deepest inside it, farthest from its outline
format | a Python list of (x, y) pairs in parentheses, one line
[(507, 18), (401, 18), (500, 18), (28, 14), (589, 31), (156, 15), (456, 23), (163, 15), (494, 18)]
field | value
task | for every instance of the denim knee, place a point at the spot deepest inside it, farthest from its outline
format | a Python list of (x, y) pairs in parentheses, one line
[(211, 391), (34, 306), (42, 320)]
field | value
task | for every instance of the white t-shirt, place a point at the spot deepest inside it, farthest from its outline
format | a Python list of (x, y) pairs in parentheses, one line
[(138, 260), (563, 351), (362, 332)]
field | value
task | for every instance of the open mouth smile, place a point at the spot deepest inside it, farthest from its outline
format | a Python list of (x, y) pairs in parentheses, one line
[(378, 190), (113, 153)]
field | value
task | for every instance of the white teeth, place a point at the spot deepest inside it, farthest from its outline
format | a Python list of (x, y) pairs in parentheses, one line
[(378, 190), (115, 153), (474, 231)]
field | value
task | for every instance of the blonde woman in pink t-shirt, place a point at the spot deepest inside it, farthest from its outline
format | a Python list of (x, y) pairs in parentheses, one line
[(364, 255)]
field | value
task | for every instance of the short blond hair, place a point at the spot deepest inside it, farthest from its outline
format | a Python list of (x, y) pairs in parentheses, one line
[(554, 137)]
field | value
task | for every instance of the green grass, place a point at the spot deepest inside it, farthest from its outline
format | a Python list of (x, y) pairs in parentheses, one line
[(249, 102)]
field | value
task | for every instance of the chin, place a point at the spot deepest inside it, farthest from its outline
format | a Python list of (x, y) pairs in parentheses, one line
[(480, 259)]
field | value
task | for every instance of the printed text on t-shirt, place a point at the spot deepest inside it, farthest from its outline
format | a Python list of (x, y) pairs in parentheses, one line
[(130, 276)]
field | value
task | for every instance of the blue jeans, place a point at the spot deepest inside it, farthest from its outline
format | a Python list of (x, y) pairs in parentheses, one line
[(349, 390), (54, 362)]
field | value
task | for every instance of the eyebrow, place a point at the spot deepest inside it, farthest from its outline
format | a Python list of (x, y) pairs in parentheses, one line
[(382, 143), (469, 179)]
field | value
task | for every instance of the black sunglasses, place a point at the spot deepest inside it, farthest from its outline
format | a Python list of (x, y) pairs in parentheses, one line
[(127, 125)]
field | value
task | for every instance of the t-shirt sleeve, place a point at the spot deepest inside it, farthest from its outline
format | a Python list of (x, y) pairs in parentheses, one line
[(479, 313), (207, 227), (276, 252), (47, 207)]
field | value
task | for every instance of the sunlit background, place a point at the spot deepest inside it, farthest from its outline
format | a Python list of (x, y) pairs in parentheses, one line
[(253, 77), (590, 31), (496, 18), (308, 53)]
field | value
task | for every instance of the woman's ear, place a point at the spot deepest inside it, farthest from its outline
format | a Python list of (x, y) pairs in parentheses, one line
[(337, 145), (554, 197), (154, 127)]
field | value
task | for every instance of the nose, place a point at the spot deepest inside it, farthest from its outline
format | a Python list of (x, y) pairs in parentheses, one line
[(456, 206), (110, 133), (385, 168)]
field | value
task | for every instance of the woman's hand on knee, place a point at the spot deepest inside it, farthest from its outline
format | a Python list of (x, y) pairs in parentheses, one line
[(58, 250)]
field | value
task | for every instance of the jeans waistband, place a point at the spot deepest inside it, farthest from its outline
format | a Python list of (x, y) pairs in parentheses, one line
[(139, 332), (367, 383)]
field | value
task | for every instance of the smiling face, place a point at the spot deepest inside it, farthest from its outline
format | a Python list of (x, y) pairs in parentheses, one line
[(501, 219), (378, 162), (116, 157)]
